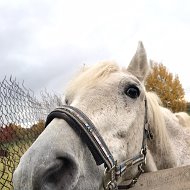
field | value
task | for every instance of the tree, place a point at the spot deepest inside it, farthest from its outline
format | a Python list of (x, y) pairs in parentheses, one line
[(167, 87)]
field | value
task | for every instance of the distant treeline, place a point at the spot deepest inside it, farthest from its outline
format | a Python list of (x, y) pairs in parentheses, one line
[(13, 132)]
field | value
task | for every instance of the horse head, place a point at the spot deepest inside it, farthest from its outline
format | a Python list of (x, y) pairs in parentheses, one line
[(114, 100)]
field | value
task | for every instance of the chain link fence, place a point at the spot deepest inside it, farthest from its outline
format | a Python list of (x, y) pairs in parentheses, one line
[(22, 118)]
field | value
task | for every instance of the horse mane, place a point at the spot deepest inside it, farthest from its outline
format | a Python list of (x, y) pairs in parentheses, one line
[(157, 121), (88, 77)]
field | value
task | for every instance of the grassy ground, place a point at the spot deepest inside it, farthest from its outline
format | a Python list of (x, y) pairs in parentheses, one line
[(14, 150), (9, 163)]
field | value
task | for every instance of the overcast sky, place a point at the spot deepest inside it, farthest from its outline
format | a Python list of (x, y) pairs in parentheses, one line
[(44, 42)]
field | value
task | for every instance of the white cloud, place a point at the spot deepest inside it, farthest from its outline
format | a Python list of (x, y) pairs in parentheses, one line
[(47, 37)]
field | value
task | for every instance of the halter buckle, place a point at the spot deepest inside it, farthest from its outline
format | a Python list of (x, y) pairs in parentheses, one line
[(109, 180), (144, 152)]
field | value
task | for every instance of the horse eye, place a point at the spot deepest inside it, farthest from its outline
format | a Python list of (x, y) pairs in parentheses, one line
[(132, 92)]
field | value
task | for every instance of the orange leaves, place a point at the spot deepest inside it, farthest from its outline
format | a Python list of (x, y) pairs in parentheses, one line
[(167, 86)]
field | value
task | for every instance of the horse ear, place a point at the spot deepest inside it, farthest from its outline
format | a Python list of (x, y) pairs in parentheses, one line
[(139, 65)]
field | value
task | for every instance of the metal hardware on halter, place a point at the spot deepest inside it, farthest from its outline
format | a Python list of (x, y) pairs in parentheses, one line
[(134, 180), (111, 177), (109, 180)]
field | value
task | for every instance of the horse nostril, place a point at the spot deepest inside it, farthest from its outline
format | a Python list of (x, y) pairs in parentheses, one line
[(61, 175)]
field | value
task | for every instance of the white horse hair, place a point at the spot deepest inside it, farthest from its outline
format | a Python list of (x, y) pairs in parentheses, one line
[(184, 118), (113, 99)]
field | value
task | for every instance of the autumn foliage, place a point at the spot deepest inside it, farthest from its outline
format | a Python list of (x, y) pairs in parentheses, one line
[(14, 132), (167, 86)]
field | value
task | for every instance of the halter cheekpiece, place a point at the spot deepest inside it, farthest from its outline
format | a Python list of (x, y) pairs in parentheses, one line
[(84, 127)]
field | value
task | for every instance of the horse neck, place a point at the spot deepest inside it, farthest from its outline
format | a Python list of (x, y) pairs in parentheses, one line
[(160, 147)]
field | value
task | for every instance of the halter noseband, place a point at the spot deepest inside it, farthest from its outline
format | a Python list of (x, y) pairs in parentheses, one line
[(83, 126)]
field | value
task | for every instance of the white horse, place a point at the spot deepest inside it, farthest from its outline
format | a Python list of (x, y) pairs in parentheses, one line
[(126, 116)]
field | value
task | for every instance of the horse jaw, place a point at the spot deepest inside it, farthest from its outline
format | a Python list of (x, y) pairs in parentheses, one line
[(139, 65)]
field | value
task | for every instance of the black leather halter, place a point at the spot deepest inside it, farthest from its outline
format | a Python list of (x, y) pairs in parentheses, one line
[(86, 130)]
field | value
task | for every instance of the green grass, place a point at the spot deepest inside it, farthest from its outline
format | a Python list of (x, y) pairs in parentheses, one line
[(8, 164)]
